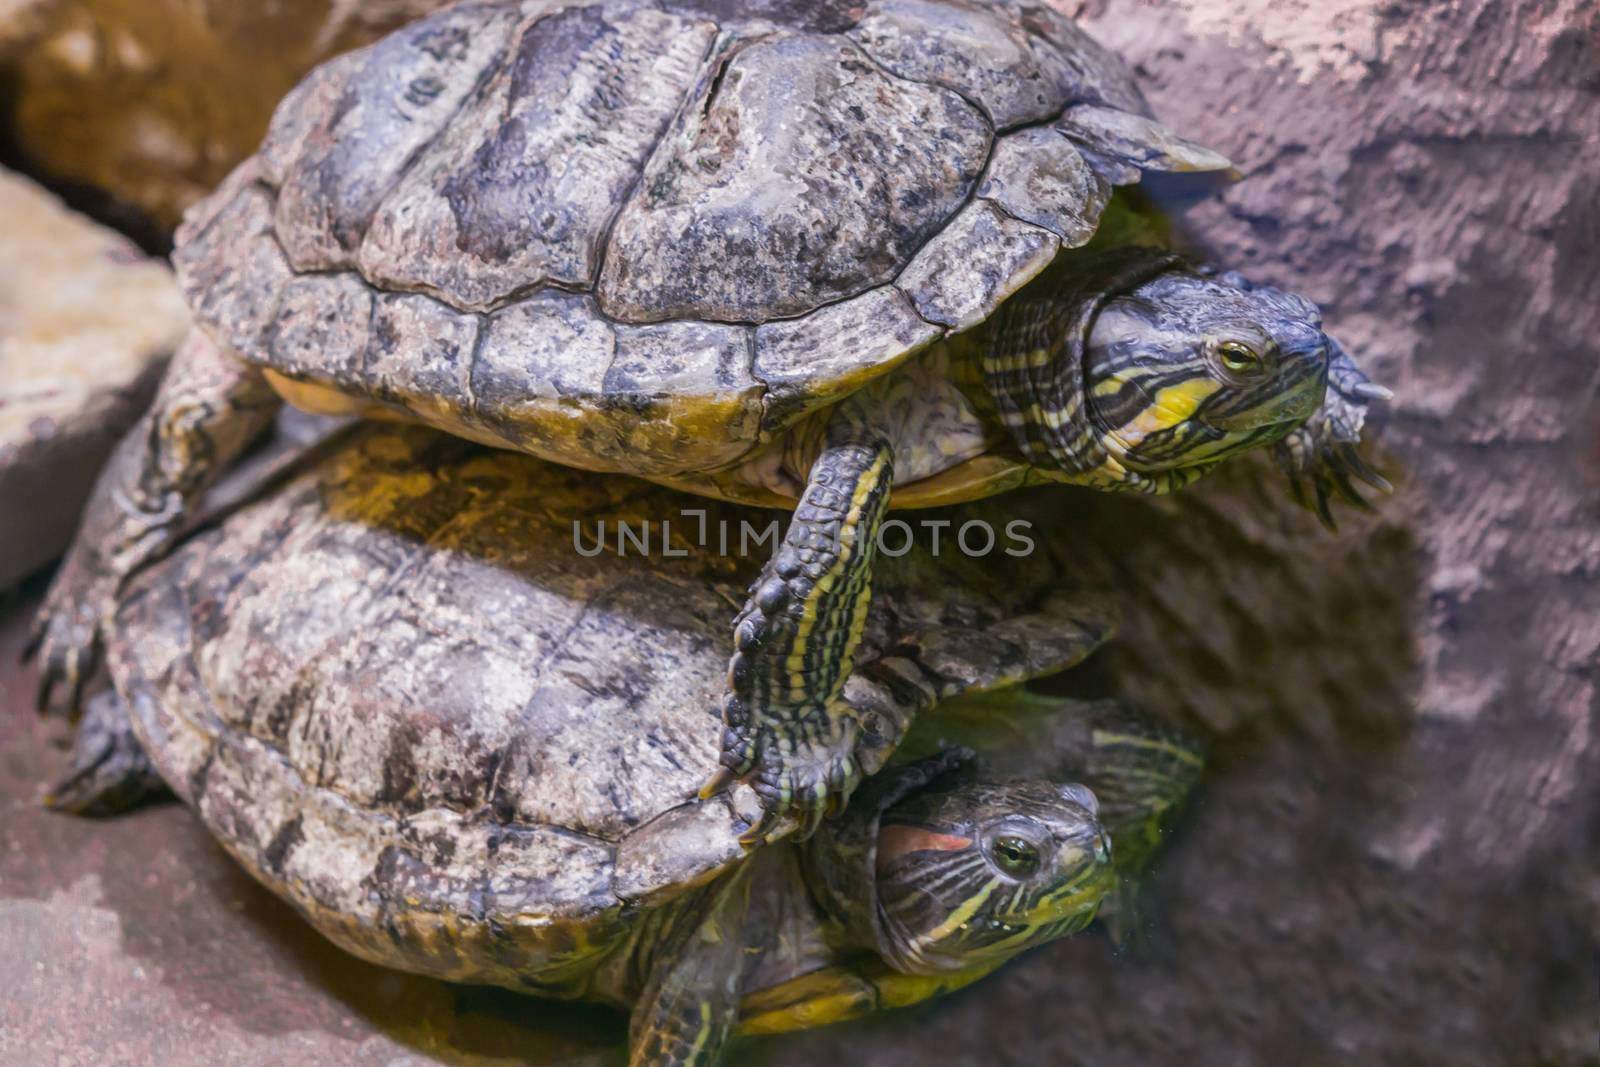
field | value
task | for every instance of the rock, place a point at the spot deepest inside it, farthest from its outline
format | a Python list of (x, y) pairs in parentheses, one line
[(154, 101), (86, 323)]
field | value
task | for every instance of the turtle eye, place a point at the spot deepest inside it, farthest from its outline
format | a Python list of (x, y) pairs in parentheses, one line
[(1238, 357), (1015, 856)]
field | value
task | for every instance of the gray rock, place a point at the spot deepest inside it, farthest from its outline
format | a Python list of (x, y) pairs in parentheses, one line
[(86, 324)]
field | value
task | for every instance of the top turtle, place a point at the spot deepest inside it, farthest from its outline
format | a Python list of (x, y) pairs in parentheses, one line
[(768, 251)]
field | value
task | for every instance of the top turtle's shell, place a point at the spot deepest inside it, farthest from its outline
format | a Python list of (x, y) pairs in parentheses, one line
[(401, 697), (643, 236)]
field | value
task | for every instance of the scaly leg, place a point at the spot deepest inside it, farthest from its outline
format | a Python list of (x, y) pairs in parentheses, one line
[(787, 731), (691, 1001), (209, 407)]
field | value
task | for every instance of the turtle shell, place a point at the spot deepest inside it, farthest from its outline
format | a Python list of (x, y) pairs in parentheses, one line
[(643, 237), (398, 692)]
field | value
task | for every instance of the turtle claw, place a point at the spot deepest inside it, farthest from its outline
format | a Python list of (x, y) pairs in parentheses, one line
[(65, 642), (1324, 452), (760, 831), (798, 785), (109, 771), (64, 669), (1324, 512), (1362, 471), (720, 782)]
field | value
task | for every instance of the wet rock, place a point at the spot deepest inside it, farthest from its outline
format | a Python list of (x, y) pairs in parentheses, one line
[(86, 322), (21, 22)]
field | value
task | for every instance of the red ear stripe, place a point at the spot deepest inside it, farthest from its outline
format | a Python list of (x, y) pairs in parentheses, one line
[(896, 841)]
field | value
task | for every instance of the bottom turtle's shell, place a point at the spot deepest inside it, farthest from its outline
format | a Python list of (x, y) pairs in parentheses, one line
[(401, 696)]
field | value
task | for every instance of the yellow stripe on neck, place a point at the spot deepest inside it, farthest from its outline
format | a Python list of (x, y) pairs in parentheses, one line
[(1171, 406)]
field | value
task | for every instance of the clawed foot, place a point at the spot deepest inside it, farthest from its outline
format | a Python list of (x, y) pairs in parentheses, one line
[(65, 640), (809, 780), (110, 772), (787, 730), (1323, 452)]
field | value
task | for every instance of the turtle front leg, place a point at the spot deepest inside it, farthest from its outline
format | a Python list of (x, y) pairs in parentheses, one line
[(208, 409), (690, 1002), (787, 729), (1324, 450)]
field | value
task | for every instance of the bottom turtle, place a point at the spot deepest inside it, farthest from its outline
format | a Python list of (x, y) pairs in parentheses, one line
[(400, 698)]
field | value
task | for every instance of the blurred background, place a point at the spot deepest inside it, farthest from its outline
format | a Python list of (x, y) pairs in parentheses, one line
[(1395, 857)]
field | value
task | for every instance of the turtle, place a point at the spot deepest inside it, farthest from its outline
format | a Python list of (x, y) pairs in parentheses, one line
[(371, 687), (824, 255)]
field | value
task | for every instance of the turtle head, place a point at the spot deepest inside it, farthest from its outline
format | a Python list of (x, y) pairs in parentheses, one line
[(1134, 371), (940, 874), (977, 874), (1184, 370)]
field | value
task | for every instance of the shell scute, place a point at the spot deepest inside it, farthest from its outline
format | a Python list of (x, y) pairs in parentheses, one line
[(1137, 141), (680, 847), (229, 263), (321, 329), (1086, 70), (519, 191), (809, 16), (680, 395), (1036, 175), (408, 87), (629, 733), (802, 174), (538, 361), (419, 355), (810, 362), (973, 48), (981, 258), (305, 108)]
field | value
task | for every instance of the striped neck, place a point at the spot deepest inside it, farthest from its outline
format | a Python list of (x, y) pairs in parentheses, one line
[(840, 861), (1034, 367)]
